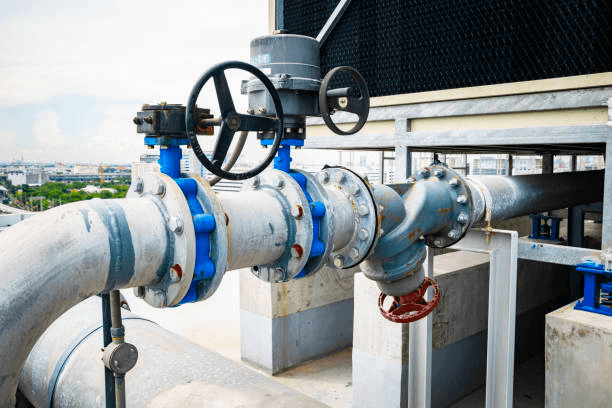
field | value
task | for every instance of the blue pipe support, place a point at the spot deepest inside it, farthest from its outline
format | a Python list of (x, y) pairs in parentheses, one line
[(596, 278), (170, 160)]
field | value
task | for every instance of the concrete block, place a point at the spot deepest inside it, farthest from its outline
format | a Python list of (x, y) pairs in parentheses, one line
[(285, 324), (578, 359)]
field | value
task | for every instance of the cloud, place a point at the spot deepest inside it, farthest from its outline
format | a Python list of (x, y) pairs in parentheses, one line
[(8, 140), (135, 49), (47, 132)]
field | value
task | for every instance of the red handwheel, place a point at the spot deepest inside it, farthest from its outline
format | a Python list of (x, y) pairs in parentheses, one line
[(411, 307)]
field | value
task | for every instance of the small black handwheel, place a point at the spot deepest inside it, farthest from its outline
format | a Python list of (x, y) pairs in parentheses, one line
[(344, 99), (232, 121)]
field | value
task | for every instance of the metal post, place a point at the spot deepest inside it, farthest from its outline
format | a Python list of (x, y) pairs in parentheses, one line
[(606, 222), (547, 163), (403, 164), (502, 247), (382, 167), (419, 353), (510, 164)]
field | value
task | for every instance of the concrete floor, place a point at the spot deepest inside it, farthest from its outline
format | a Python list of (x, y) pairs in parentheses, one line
[(214, 324)]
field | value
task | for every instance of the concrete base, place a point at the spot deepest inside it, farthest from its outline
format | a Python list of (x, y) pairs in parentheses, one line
[(286, 324), (578, 359), (459, 334)]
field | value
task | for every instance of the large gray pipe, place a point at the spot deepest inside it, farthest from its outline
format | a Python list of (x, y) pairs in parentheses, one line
[(171, 371), (54, 260), (508, 197)]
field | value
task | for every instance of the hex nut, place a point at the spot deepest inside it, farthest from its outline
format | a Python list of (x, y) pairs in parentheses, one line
[(439, 173), (354, 253), (297, 251), (176, 273), (338, 261), (462, 218), (461, 199), (363, 210), (297, 211), (363, 234), (424, 173), (354, 189), (339, 177), (454, 182), (176, 225), (324, 177), (261, 110), (453, 234), (160, 189)]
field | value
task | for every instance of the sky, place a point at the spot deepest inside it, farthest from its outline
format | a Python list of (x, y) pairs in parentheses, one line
[(73, 73)]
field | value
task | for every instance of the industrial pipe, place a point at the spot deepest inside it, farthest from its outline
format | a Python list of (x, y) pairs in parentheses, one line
[(64, 369), (68, 254), (504, 197)]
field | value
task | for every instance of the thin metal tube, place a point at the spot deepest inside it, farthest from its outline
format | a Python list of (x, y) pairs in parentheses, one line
[(115, 309), (109, 381)]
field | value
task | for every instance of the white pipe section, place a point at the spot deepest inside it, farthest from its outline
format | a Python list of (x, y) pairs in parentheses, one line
[(54, 260), (256, 227)]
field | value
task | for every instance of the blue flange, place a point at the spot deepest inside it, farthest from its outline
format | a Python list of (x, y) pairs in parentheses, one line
[(317, 209)]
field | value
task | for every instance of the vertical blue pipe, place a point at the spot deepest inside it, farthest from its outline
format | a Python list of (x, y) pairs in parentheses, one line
[(282, 161), (170, 160)]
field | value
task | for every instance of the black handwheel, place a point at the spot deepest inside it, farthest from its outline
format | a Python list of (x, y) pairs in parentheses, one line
[(232, 121), (344, 99)]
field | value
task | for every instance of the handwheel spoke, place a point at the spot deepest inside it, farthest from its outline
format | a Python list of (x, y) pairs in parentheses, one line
[(257, 123), (224, 140), (224, 96), (355, 105)]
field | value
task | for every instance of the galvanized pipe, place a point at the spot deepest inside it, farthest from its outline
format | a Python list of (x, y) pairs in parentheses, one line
[(171, 372), (501, 197), (257, 228), (65, 255)]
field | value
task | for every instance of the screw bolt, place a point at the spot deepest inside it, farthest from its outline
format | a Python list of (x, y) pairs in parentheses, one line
[(363, 234), (261, 110), (137, 120), (439, 173), (250, 111), (354, 253), (424, 173), (148, 119), (175, 224), (454, 182), (462, 218), (279, 274), (297, 211), (354, 189), (453, 234), (160, 189), (339, 177), (438, 242), (363, 210), (338, 261), (256, 181), (462, 199), (280, 183)]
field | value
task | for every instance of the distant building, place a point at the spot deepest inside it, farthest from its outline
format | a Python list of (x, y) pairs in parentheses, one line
[(90, 189), (23, 176)]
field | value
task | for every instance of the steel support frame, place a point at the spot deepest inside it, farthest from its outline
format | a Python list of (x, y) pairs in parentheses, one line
[(420, 352), (502, 247)]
